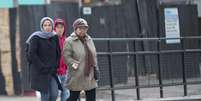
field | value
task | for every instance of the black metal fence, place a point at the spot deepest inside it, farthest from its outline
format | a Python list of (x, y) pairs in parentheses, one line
[(121, 80)]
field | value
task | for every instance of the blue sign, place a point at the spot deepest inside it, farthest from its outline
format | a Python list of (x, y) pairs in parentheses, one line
[(6, 3), (10, 3), (31, 2)]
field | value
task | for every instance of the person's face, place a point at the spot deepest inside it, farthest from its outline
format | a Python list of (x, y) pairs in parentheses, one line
[(47, 26), (59, 29), (81, 31)]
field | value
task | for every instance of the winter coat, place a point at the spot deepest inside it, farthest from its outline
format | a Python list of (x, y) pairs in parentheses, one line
[(74, 52), (45, 55)]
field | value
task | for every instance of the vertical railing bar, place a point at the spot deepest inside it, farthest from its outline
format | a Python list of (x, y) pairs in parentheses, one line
[(183, 68), (110, 70), (136, 73), (159, 70)]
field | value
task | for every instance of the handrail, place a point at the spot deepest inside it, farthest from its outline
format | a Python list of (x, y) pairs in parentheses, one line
[(149, 52), (143, 39)]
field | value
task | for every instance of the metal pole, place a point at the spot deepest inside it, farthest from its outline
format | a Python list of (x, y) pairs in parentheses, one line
[(183, 68), (15, 3), (80, 5), (159, 71), (158, 46), (47, 1), (15, 73), (136, 74), (110, 71)]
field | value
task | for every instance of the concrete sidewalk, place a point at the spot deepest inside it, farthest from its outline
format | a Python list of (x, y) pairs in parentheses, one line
[(17, 98), (174, 93), (186, 98), (25, 98)]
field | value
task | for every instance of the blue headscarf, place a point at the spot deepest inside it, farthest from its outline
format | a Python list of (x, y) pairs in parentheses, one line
[(42, 33)]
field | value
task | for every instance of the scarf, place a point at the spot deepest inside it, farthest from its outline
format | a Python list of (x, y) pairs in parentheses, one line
[(89, 59), (44, 35)]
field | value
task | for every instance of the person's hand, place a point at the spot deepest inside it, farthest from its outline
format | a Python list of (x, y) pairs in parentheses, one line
[(75, 66)]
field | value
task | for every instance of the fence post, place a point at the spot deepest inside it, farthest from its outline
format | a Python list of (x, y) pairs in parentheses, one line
[(110, 70), (159, 69), (15, 73), (136, 73), (183, 67)]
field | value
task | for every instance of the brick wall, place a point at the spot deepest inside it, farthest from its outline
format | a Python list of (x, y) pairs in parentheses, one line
[(5, 50)]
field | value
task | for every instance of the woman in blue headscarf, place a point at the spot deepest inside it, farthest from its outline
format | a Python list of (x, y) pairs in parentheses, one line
[(44, 54)]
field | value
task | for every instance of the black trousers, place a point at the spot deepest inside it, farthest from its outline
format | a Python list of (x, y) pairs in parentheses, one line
[(90, 95)]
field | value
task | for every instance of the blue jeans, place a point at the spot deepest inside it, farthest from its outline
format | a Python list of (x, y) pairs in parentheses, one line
[(65, 93), (52, 93)]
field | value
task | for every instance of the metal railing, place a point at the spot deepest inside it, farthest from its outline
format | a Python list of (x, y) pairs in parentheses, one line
[(158, 52)]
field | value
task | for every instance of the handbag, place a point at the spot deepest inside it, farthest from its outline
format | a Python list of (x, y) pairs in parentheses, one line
[(96, 74)]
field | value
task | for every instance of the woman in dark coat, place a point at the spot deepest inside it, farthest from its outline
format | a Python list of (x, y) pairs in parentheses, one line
[(44, 55)]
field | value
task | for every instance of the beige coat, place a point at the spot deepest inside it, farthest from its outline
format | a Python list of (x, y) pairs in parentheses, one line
[(74, 52)]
